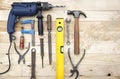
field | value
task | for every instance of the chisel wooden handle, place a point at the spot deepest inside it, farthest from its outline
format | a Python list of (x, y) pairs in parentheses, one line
[(76, 36)]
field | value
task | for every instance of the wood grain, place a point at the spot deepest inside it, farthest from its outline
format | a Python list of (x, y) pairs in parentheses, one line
[(91, 15), (99, 34), (78, 4)]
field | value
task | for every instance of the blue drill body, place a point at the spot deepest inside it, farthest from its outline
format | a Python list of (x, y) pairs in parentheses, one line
[(22, 9)]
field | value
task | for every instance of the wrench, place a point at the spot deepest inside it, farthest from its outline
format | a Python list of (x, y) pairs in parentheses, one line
[(67, 20)]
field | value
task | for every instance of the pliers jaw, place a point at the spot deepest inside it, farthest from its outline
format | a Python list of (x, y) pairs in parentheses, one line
[(21, 59), (73, 72)]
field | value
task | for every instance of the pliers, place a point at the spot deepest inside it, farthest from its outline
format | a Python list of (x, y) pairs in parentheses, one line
[(75, 67), (21, 57)]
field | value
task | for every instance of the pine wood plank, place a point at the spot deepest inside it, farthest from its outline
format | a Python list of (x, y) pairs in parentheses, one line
[(91, 15), (78, 4), (85, 70), (83, 77)]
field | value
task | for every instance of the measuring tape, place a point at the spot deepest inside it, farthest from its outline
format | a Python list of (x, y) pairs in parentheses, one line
[(59, 48)]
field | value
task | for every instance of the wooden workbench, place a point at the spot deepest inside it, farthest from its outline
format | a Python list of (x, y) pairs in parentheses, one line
[(99, 33)]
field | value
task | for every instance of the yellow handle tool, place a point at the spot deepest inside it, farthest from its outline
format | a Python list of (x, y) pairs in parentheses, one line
[(59, 48)]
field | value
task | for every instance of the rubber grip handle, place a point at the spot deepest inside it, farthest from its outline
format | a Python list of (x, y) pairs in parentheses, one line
[(40, 26), (11, 23), (76, 36), (49, 22)]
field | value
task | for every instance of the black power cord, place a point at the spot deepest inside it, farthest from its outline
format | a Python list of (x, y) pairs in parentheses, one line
[(8, 60)]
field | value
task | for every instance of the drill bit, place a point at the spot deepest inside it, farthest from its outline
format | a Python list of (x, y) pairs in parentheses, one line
[(49, 28), (42, 50), (61, 6)]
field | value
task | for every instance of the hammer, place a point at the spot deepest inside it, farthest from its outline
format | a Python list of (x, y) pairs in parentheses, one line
[(76, 14)]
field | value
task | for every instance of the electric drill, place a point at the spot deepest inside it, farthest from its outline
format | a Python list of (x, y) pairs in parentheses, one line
[(20, 9)]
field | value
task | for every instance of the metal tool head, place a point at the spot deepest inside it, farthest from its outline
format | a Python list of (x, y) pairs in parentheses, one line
[(21, 57), (73, 72), (27, 22), (33, 50), (75, 67), (67, 20), (76, 13)]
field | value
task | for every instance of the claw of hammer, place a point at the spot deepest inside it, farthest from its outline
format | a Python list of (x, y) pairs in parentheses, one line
[(76, 13)]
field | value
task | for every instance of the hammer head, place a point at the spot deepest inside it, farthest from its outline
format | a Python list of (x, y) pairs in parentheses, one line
[(76, 13)]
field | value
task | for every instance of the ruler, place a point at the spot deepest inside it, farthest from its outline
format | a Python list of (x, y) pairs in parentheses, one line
[(59, 48)]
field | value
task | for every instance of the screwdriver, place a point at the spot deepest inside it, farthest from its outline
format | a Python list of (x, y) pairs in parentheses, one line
[(42, 50), (49, 28)]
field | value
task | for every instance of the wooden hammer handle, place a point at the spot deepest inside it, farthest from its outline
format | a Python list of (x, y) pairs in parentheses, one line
[(76, 36)]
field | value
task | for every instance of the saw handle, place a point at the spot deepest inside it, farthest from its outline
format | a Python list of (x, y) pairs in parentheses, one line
[(76, 36)]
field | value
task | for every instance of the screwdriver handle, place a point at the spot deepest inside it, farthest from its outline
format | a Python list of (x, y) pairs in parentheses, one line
[(49, 22)]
